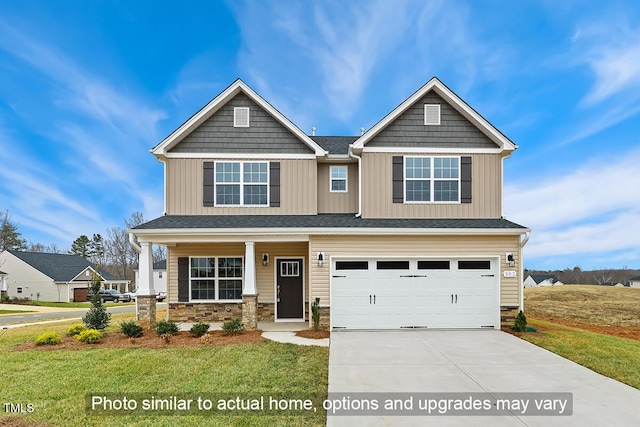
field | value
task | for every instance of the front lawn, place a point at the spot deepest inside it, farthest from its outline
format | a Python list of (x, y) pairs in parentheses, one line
[(15, 311), (69, 304), (57, 381)]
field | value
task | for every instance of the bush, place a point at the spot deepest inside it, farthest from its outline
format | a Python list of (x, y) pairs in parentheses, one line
[(166, 327), (5, 299), (90, 336), (97, 316), (131, 329), (520, 324), (75, 330), (232, 327), (199, 329), (48, 338)]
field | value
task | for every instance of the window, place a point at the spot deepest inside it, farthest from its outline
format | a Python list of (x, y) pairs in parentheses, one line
[(216, 279), (289, 269), (352, 265), (241, 183), (474, 265), (160, 274), (241, 117), (432, 114), (432, 179), (338, 177), (19, 290), (393, 265), (433, 265)]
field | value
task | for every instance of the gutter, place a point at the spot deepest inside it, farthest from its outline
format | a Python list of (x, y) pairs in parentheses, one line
[(524, 242), (359, 159), (132, 242)]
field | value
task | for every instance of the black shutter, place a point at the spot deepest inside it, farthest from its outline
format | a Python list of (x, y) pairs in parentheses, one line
[(398, 179), (183, 279), (465, 179), (274, 184), (208, 183)]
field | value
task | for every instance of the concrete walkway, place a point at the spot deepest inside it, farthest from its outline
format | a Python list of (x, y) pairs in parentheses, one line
[(463, 362)]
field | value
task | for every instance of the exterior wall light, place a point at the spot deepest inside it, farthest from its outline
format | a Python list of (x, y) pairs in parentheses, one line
[(265, 259), (320, 259), (511, 260)]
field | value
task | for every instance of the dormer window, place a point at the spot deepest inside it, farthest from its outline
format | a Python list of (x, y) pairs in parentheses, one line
[(432, 114), (241, 117)]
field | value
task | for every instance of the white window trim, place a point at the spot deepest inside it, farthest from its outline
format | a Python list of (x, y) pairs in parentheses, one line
[(242, 184), (216, 279), (346, 179), (431, 181), (236, 124), (428, 106)]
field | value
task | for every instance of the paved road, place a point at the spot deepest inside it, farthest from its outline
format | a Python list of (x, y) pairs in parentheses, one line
[(42, 314)]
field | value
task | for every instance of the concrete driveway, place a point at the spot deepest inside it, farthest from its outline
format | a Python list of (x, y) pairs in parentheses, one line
[(471, 364)]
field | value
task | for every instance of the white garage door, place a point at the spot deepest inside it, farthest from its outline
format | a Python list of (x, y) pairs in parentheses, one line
[(414, 293)]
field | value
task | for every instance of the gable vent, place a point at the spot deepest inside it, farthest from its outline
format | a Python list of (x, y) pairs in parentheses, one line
[(432, 114), (241, 117)]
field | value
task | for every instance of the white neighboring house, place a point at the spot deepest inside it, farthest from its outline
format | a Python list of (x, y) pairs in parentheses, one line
[(50, 277), (634, 282), (159, 276), (537, 280)]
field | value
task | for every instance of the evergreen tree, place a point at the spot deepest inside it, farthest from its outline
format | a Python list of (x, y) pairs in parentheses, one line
[(81, 246)]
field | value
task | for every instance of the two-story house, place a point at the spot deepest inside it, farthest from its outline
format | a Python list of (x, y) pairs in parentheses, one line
[(400, 227)]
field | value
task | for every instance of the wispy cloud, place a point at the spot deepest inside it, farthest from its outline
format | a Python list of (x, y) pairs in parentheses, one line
[(588, 210)]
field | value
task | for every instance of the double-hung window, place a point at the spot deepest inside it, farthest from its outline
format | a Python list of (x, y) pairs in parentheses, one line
[(216, 278), (432, 179), (241, 183), (338, 179)]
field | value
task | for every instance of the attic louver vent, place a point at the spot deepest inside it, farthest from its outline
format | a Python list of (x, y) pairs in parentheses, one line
[(241, 117), (432, 114)]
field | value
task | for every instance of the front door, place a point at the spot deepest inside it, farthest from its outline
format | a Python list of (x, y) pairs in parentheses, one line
[(289, 289)]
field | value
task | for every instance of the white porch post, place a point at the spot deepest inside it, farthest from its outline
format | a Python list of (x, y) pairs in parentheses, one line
[(145, 297), (249, 287), (249, 290)]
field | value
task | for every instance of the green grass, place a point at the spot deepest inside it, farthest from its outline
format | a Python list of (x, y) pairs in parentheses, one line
[(56, 381), (608, 355), (70, 304)]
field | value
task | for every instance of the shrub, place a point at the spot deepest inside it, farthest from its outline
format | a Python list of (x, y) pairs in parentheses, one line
[(131, 329), (48, 338), (199, 329), (166, 327), (97, 316), (232, 327), (90, 336), (520, 324), (75, 330), (5, 299), (315, 310)]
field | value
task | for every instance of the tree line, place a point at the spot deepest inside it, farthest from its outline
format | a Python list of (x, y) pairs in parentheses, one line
[(113, 253), (577, 275)]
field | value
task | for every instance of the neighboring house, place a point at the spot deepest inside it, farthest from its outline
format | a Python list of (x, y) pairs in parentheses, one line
[(536, 280), (399, 227), (50, 277), (159, 276), (634, 282), (614, 283)]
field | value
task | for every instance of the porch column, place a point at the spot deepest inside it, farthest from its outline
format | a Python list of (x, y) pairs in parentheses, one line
[(249, 291), (146, 297)]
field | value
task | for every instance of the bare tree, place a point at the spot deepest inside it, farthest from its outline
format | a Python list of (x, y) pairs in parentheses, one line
[(159, 253), (10, 237)]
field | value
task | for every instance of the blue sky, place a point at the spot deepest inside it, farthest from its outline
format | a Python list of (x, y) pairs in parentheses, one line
[(86, 88)]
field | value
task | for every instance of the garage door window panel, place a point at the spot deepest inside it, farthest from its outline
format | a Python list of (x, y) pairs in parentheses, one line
[(352, 265), (474, 265), (434, 265), (392, 265)]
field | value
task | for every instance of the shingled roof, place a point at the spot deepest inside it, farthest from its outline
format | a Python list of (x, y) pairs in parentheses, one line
[(335, 144), (318, 221), (59, 267)]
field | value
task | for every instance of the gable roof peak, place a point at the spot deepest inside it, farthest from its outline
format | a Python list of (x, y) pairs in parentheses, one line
[(450, 97), (238, 86)]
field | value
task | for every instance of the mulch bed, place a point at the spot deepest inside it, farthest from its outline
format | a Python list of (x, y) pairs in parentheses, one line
[(151, 340), (310, 333)]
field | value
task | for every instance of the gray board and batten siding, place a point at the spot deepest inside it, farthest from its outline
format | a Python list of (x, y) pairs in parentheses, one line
[(409, 129), (264, 134)]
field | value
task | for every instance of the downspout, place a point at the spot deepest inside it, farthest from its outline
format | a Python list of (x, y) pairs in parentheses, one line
[(524, 242), (359, 158)]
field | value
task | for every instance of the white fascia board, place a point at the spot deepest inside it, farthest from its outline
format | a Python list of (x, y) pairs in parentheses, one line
[(336, 158), (240, 156), (181, 235), (454, 100), (215, 104), (77, 277), (432, 150)]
